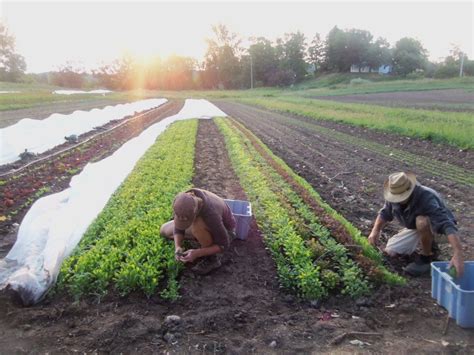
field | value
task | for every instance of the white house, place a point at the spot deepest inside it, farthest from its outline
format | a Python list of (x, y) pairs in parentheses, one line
[(382, 70)]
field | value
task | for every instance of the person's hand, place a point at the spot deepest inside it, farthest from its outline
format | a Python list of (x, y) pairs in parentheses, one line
[(189, 256), (178, 252), (373, 238), (458, 262)]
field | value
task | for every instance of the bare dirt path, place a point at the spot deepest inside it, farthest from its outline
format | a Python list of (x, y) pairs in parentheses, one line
[(445, 100), (42, 111), (237, 309)]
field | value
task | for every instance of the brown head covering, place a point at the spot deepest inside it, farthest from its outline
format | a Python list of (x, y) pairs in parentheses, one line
[(399, 186), (185, 208)]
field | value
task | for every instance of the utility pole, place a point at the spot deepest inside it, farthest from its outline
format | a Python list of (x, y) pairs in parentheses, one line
[(251, 72), (462, 65)]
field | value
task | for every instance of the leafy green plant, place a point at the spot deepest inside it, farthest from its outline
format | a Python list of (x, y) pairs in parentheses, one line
[(123, 247)]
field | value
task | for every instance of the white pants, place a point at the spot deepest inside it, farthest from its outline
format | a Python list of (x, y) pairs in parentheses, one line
[(405, 242)]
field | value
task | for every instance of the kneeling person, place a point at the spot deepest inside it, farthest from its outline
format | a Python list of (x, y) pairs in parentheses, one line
[(205, 217), (423, 213)]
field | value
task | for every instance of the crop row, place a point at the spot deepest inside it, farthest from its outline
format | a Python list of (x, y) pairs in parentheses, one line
[(448, 171), (340, 228), (123, 247), (309, 261)]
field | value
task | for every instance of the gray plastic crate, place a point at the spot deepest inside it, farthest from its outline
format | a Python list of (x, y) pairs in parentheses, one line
[(242, 211)]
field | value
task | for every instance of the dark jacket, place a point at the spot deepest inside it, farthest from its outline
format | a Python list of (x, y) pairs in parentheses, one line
[(424, 202)]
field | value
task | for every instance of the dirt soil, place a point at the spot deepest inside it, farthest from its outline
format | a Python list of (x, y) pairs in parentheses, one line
[(237, 309), (42, 111), (448, 100)]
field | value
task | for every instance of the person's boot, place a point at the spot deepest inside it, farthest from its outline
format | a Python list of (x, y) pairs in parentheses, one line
[(207, 264), (434, 251), (421, 265)]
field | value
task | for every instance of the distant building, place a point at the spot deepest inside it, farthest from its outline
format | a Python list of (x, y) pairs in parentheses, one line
[(382, 70), (385, 69)]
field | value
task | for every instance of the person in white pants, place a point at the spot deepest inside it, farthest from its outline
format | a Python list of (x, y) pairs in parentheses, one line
[(423, 213)]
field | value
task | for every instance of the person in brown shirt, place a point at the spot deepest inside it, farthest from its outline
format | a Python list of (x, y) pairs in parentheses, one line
[(203, 216)]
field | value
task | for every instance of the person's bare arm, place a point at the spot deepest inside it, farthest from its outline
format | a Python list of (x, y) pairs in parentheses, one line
[(376, 230), (192, 254), (457, 260), (178, 245)]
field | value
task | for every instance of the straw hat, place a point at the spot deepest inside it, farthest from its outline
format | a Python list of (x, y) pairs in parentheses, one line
[(185, 208), (399, 186)]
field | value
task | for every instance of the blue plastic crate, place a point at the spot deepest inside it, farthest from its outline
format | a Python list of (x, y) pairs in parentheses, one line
[(242, 211), (456, 295)]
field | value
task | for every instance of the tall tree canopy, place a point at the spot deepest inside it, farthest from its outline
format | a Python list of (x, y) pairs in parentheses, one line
[(12, 64), (408, 56), (222, 65), (293, 51), (264, 60)]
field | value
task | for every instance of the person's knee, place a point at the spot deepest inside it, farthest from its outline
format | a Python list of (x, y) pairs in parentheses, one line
[(166, 230), (423, 223)]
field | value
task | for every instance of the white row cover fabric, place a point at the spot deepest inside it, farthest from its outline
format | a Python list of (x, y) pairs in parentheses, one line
[(9, 92), (38, 136), (74, 92), (55, 224)]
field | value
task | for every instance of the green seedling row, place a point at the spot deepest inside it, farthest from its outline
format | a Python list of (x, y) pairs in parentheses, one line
[(293, 259), (309, 271), (309, 217), (328, 254), (123, 248)]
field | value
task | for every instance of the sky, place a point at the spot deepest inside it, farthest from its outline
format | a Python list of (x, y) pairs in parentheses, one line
[(48, 34)]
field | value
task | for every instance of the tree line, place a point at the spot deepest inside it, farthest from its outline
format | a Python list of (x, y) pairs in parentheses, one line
[(228, 65)]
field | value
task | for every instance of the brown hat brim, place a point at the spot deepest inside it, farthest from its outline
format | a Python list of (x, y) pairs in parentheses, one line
[(399, 197)]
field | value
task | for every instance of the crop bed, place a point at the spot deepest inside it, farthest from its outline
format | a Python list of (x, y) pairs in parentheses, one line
[(241, 307), (19, 190)]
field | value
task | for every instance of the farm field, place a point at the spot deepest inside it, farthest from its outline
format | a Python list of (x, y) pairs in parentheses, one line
[(29, 181), (41, 111), (242, 307), (449, 100)]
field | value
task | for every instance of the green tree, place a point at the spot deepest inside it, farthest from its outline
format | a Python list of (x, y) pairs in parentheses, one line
[(292, 50), (316, 53), (69, 75), (12, 64), (264, 60), (121, 74), (358, 43), (336, 44), (408, 56), (178, 73), (379, 53), (222, 65)]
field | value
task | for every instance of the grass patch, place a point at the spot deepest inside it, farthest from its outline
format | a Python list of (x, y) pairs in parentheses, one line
[(454, 128)]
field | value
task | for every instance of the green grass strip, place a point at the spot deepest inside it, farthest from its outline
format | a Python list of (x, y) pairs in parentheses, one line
[(123, 247), (454, 128), (442, 169)]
